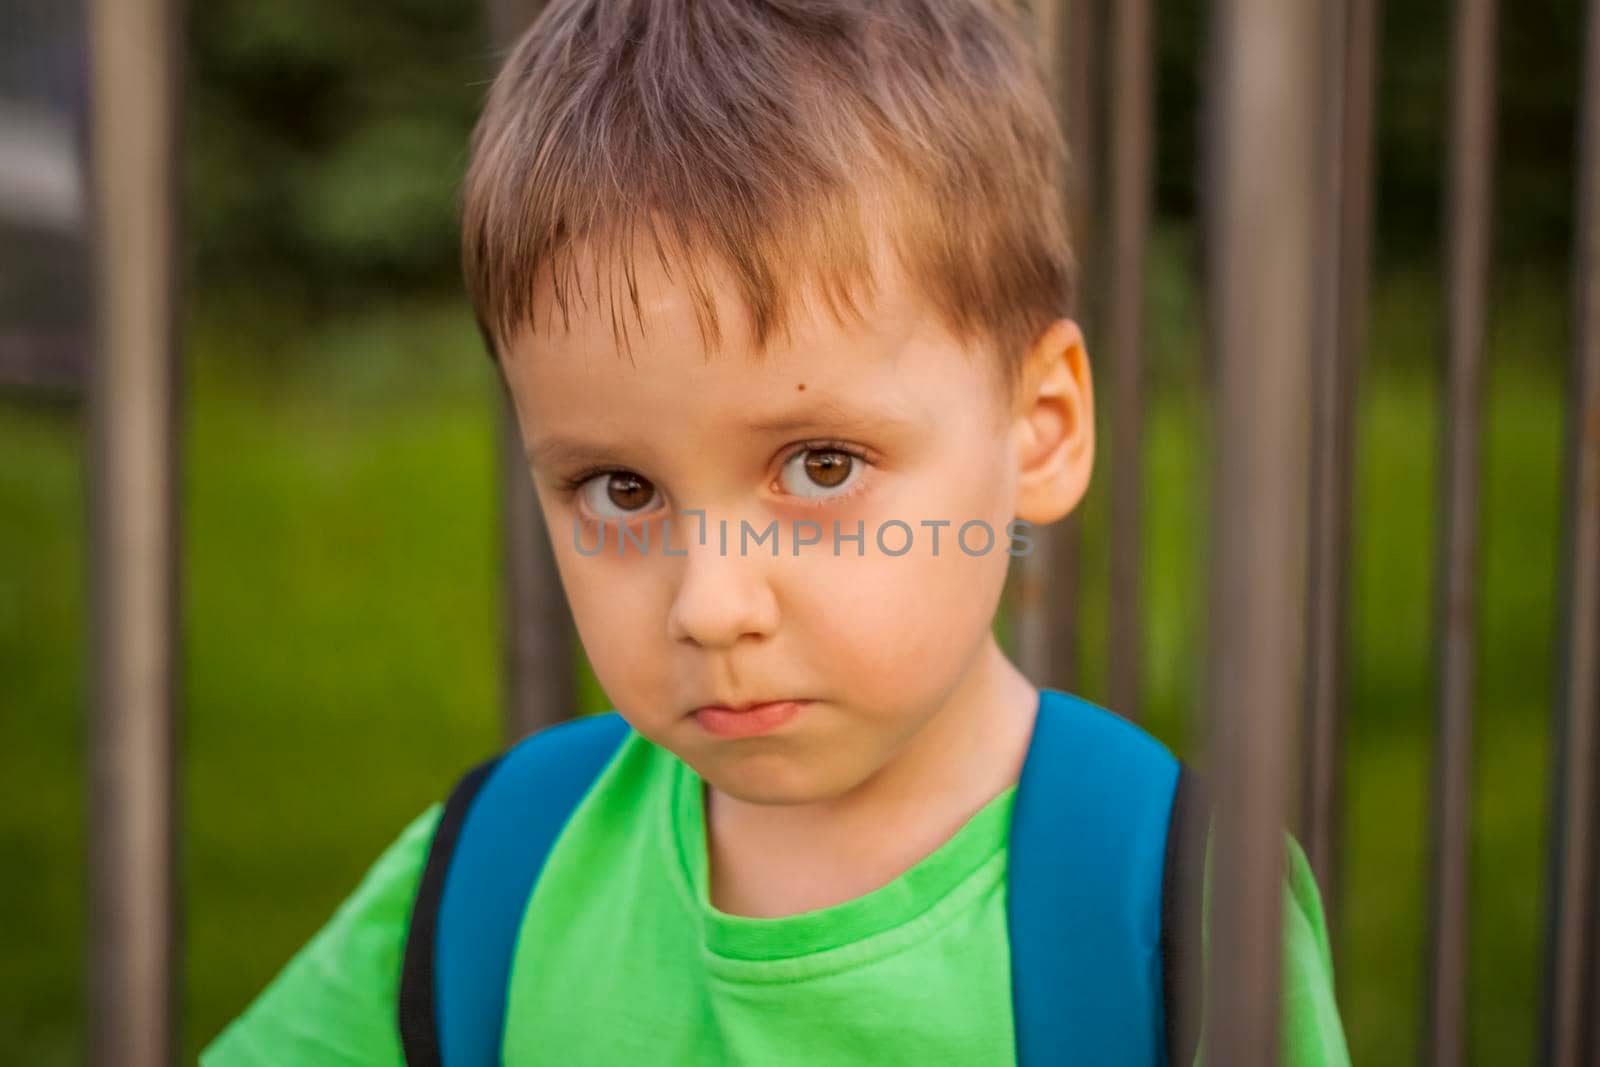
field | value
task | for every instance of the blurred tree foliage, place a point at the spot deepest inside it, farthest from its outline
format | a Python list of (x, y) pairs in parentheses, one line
[(326, 141), (327, 137)]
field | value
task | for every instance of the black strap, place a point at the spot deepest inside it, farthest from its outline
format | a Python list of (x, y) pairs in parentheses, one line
[(419, 1035), (1182, 886)]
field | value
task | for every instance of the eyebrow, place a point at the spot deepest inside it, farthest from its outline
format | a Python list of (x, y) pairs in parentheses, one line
[(828, 412), (822, 415)]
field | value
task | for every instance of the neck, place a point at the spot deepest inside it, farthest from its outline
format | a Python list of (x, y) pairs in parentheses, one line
[(770, 860)]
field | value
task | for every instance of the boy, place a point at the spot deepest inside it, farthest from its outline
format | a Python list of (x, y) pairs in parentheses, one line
[(791, 271)]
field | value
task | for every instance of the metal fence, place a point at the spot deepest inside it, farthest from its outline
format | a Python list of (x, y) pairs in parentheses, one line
[(1289, 175)]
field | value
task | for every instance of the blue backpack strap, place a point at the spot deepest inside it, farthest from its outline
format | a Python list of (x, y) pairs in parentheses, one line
[(1088, 845), (494, 836), (419, 1031)]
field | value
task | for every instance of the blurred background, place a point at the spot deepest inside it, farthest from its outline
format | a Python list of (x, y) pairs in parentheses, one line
[(340, 583)]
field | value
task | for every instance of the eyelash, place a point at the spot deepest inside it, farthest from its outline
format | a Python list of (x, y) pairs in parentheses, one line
[(573, 483)]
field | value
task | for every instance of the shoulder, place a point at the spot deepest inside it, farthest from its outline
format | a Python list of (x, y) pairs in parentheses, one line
[(1311, 1033), (1078, 739), (549, 771), (334, 999), (1094, 777)]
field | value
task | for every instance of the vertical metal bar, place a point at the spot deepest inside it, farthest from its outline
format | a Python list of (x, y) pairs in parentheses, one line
[(1044, 609), (540, 673), (1350, 42), (1262, 184), (1467, 222), (1069, 41), (541, 686), (1078, 88), (135, 47), (1572, 938), (1128, 190), (1326, 528)]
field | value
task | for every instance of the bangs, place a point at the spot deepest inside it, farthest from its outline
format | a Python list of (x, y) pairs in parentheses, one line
[(772, 140)]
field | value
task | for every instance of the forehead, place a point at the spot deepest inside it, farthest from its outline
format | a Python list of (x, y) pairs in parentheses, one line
[(895, 358)]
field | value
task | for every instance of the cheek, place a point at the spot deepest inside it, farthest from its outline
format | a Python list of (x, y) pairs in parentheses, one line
[(891, 622), (613, 602), (892, 626)]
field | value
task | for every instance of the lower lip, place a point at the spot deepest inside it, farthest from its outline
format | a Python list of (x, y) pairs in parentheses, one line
[(760, 719)]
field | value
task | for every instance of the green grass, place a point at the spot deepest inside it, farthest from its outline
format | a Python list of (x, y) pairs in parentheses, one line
[(42, 696), (341, 645), (342, 638)]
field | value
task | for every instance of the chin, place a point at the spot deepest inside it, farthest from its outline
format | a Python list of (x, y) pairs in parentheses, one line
[(772, 779)]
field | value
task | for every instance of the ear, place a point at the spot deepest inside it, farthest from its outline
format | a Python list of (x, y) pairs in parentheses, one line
[(1053, 425)]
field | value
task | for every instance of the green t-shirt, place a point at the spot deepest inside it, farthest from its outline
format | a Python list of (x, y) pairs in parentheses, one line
[(627, 962)]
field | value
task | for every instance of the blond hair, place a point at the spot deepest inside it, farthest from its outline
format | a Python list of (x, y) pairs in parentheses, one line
[(772, 134)]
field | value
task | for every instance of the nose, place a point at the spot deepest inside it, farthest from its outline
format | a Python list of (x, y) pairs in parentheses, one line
[(722, 595)]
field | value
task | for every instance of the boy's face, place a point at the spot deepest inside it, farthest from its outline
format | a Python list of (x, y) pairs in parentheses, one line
[(847, 425)]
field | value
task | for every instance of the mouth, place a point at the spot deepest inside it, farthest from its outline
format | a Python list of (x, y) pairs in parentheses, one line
[(747, 720)]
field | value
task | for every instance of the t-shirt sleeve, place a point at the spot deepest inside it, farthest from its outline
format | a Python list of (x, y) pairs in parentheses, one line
[(334, 1004), (1310, 1032)]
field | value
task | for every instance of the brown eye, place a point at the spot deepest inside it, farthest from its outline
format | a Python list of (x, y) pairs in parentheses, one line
[(828, 469), (822, 471), (618, 494), (628, 491)]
